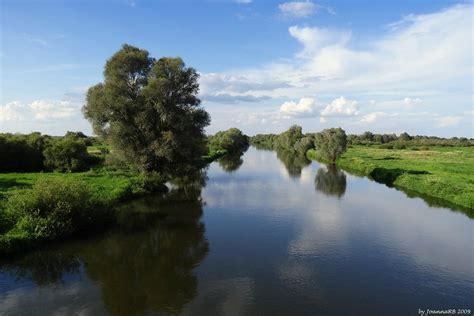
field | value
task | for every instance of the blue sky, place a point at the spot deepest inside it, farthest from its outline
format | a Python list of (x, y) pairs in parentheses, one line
[(386, 66)]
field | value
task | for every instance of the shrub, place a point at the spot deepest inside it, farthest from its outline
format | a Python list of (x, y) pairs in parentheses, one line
[(399, 145), (54, 208), (68, 154), (21, 153)]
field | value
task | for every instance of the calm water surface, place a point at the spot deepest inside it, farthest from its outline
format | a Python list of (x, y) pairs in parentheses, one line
[(268, 234)]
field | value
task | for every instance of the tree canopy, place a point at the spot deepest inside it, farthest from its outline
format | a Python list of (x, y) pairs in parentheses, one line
[(232, 140), (148, 110), (331, 143)]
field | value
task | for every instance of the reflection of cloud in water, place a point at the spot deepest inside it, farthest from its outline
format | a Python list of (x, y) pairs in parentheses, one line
[(384, 218), (78, 298), (323, 230), (223, 297)]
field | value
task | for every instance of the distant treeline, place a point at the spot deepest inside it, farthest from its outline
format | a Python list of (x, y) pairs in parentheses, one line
[(37, 152), (294, 139)]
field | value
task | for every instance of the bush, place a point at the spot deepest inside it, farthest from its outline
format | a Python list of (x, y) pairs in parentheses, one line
[(22, 153), (399, 145), (55, 208), (68, 154)]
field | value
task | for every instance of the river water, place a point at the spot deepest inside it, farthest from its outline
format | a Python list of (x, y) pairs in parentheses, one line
[(264, 234)]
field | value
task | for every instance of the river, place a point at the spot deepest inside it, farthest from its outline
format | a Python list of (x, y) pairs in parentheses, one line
[(264, 234)]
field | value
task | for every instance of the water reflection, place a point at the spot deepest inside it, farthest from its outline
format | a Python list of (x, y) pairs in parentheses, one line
[(145, 264), (330, 181), (231, 163), (293, 162)]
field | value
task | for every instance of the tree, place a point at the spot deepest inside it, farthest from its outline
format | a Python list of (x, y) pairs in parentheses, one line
[(148, 109), (67, 154), (231, 140), (288, 139), (331, 143), (404, 136)]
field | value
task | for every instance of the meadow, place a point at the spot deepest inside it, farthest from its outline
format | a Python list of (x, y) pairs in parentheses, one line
[(445, 173)]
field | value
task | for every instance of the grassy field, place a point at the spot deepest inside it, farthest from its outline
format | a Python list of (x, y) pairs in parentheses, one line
[(108, 186), (444, 173)]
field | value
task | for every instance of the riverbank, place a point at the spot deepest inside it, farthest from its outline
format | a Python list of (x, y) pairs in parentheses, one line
[(52, 197), (443, 173)]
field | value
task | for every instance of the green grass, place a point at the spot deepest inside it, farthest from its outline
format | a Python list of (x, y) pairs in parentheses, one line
[(105, 185), (444, 173)]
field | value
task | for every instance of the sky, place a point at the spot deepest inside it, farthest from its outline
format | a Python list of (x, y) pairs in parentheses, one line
[(382, 66)]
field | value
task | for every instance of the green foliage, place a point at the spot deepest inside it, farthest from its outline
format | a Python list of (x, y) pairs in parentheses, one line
[(148, 109), (54, 208), (233, 141), (444, 173), (23, 153), (289, 138), (263, 141), (331, 143), (67, 154), (304, 144), (388, 140)]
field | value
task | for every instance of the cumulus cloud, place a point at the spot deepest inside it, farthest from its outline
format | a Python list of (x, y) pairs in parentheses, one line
[(371, 117), (315, 38), (11, 111), (41, 110), (424, 61), (46, 109), (298, 9), (340, 107), (306, 107), (424, 56)]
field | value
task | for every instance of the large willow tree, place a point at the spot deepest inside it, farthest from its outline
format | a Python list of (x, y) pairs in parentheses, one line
[(148, 109)]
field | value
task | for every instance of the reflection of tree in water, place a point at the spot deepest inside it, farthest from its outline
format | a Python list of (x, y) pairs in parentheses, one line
[(230, 163), (146, 266), (330, 181), (293, 162)]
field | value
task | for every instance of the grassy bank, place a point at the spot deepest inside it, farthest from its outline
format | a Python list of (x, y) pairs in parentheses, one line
[(443, 173), (40, 207)]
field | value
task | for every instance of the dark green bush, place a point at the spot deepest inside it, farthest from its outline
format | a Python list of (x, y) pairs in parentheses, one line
[(55, 208), (68, 154), (22, 153)]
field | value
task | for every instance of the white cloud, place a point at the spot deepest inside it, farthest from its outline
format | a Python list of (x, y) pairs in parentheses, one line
[(411, 101), (424, 61), (298, 9), (315, 38), (340, 107), (306, 107), (11, 111), (371, 117), (47, 109), (39, 111), (448, 121)]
